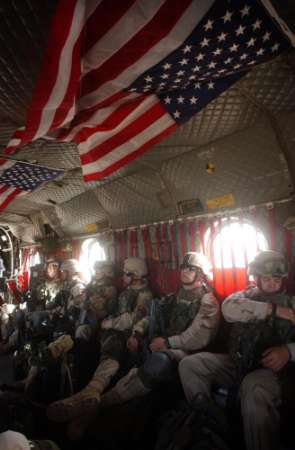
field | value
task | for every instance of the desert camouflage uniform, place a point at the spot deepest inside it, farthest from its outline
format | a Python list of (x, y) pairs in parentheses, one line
[(102, 298), (191, 323), (133, 306), (259, 390)]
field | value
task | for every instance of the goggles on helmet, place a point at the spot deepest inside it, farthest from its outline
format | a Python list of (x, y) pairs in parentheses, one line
[(275, 269)]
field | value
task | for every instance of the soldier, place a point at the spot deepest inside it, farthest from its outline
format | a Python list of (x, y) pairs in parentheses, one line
[(133, 304), (100, 302), (185, 325), (272, 313), (53, 282), (71, 290), (67, 301)]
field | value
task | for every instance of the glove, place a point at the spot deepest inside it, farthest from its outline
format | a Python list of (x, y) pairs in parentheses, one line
[(61, 345)]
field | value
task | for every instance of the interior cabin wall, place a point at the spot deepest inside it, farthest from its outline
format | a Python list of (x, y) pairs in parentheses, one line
[(163, 246)]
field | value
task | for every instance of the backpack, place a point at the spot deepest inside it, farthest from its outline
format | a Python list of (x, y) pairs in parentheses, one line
[(192, 429)]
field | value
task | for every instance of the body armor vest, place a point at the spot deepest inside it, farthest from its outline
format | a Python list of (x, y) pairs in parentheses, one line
[(173, 315), (248, 340), (127, 301)]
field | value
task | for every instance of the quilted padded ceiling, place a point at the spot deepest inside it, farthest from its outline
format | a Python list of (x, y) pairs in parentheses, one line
[(244, 133)]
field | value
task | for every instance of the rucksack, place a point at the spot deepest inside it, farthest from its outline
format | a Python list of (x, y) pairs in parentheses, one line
[(191, 429)]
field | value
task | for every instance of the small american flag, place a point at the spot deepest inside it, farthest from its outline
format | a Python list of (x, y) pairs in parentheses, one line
[(119, 76), (18, 177)]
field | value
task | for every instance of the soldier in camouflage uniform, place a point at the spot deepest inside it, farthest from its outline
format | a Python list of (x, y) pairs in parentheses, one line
[(185, 325), (72, 287), (68, 300), (133, 304), (100, 300), (44, 285), (176, 326), (265, 305), (53, 282)]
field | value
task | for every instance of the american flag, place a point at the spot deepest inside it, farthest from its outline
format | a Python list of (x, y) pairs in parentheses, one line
[(119, 76), (19, 177)]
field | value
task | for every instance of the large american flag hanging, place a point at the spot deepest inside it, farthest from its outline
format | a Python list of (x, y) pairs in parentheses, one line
[(119, 76)]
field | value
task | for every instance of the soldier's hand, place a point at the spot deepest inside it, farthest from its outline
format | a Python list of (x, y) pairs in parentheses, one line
[(285, 313), (158, 344), (275, 358), (106, 324), (132, 344)]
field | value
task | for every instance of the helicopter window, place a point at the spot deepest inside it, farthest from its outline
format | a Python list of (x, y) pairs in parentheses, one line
[(235, 243), (231, 244), (91, 251), (34, 259)]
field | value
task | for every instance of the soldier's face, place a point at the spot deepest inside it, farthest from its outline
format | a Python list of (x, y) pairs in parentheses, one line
[(188, 275), (271, 284), (98, 275), (52, 271)]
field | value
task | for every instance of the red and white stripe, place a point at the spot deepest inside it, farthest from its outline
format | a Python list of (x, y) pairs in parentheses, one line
[(7, 194), (80, 97)]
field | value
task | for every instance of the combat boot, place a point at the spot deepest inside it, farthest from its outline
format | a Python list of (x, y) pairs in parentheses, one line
[(126, 389), (87, 400)]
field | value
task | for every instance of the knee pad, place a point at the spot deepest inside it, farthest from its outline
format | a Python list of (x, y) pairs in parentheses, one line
[(158, 367)]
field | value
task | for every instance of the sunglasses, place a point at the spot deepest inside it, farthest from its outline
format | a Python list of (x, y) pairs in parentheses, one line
[(128, 274), (190, 268)]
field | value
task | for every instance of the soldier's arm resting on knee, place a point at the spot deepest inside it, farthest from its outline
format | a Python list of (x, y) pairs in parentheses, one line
[(203, 328), (238, 308), (275, 358)]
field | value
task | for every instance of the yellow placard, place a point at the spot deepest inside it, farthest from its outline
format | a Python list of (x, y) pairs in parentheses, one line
[(90, 228), (225, 200)]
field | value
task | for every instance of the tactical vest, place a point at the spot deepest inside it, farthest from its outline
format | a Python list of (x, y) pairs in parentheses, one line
[(99, 289), (248, 340), (105, 292), (175, 315), (127, 301)]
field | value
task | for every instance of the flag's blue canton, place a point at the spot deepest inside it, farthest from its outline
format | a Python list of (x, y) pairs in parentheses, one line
[(233, 37), (28, 177)]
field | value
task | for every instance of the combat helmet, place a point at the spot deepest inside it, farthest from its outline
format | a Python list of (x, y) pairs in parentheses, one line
[(106, 267), (135, 266), (268, 263), (53, 261), (194, 259), (70, 265)]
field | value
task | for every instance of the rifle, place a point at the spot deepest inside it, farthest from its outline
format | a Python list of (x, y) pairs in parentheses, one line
[(158, 320)]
